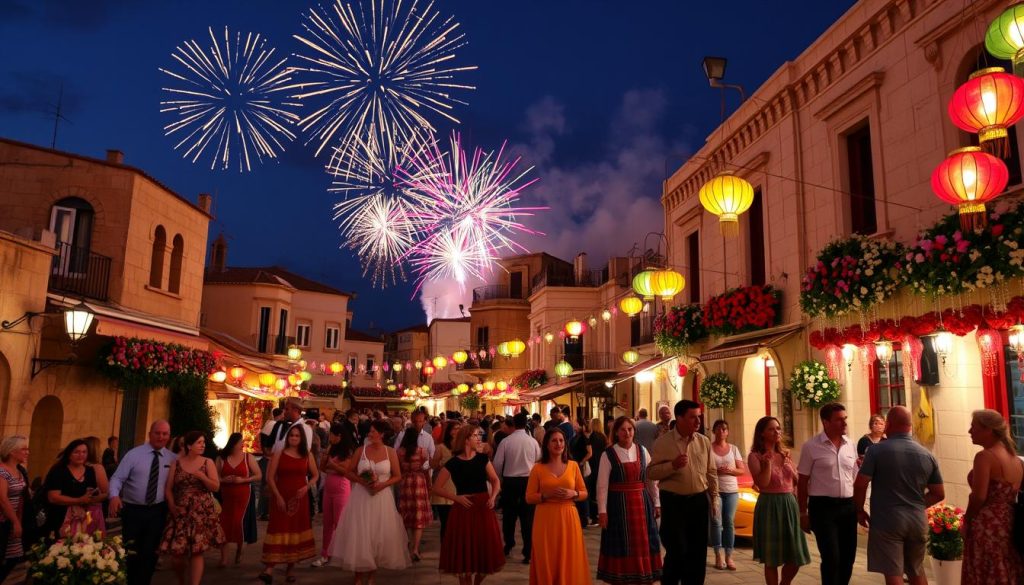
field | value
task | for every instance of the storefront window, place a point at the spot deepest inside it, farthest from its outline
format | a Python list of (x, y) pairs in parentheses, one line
[(1015, 389), (891, 387)]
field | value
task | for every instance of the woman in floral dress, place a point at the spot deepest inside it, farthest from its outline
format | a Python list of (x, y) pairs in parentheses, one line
[(414, 491), (989, 555), (193, 524)]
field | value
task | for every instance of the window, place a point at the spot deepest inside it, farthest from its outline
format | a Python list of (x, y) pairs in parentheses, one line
[(755, 239), (71, 219), (263, 333), (693, 259), (573, 352), (156, 263), (353, 363), (281, 345), (1015, 391), (890, 386), (861, 181), (482, 336), (515, 288), (369, 364), (331, 338), (302, 334), (174, 278)]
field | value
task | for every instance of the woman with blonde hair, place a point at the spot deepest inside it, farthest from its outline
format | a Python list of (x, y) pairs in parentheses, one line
[(989, 554), (13, 495)]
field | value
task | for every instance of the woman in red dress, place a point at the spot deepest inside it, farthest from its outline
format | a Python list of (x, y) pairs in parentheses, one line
[(414, 491), (291, 474), (238, 472)]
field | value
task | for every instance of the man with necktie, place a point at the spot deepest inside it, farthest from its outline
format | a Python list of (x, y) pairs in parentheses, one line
[(137, 492)]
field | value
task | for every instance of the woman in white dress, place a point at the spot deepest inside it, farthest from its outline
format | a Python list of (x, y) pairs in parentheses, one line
[(370, 534)]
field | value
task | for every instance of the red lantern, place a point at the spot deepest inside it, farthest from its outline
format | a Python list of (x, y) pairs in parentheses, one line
[(428, 370), (990, 102), (683, 370), (969, 178)]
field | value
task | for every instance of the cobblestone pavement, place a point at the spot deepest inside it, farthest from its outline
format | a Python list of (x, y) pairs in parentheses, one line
[(515, 573)]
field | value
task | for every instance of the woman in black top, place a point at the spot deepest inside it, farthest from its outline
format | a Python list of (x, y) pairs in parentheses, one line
[(471, 546), (598, 444), (583, 454), (74, 487), (877, 427)]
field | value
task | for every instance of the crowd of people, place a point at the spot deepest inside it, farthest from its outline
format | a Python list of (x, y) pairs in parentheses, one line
[(379, 480)]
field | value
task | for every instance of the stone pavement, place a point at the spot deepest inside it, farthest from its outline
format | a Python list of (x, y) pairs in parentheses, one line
[(515, 573)]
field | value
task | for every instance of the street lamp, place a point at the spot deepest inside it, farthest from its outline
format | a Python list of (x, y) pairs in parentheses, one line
[(714, 68), (77, 321)]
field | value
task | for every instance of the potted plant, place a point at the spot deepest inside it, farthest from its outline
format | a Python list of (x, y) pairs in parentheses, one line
[(945, 543), (79, 558)]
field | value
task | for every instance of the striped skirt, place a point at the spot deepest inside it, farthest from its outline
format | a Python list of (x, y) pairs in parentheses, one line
[(778, 539)]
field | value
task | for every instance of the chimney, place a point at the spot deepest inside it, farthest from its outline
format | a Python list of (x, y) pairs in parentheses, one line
[(115, 157), (218, 253), (205, 202), (579, 264)]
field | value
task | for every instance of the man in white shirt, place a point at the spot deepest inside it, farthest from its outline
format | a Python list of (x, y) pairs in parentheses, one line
[(292, 417), (423, 438), (514, 459), (268, 429), (828, 468)]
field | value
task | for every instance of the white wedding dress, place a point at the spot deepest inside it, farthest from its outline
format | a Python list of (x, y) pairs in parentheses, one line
[(370, 533)]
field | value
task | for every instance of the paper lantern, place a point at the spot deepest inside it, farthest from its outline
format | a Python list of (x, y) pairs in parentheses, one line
[(305, 376), (281, 384), (418, 364), (428, 370), (990, 102), (267, 379), (969, 178), (503, 350), (549, 337), (489, 385), (606, 315), (574, 329), (630, 356), (642, 284), (294, 380), (727, 196), (1004, 38), (392, 387), (294, 353), (501, 385), (236, 372), (397, 367), (336, 367), (515, 347), (425, 389), (478, 387), (218, 376), (631, 306), (682, 370), (440, 362), (667, 284), (592, 321), (462, 388), (460, 357), (563, 369)]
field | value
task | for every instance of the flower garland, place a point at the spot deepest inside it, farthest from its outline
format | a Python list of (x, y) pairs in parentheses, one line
[(326, 390), (812, 385), (718, 391), (742, 309), (851, 274), (529, 379), (945, 541), (251, 416), (678, 327), (80, 558), (144, 363), (946, 261)]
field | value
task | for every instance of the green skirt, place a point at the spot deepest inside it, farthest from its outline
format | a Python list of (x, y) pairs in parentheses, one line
[(778, 539)]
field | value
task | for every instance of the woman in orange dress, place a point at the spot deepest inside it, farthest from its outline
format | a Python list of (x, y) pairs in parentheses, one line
[(290, 476), (558, 555)]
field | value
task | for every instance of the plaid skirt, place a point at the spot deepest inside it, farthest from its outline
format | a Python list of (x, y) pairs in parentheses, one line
[(414, 499)]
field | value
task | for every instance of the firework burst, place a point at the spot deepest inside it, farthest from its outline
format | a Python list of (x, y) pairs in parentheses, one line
[(382, 63), (228, 101)]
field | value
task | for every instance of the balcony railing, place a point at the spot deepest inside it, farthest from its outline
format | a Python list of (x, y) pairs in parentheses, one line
[(497, 291), (590, 361), (475, 362), (555, 277), (79, 271)]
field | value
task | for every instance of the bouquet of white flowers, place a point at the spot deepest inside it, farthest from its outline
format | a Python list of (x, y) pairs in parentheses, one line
[(812, 385), (718, 391), (80, 559)]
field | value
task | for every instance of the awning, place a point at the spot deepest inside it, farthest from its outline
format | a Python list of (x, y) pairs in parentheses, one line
[(749, 345), (231, 388), (548, 391), (114, 327), (641, 367)]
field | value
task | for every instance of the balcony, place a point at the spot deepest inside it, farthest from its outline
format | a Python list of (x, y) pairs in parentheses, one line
[(493, 292), (273, 344), (590, 361), (568, 277), (475, 362), (78, 271)]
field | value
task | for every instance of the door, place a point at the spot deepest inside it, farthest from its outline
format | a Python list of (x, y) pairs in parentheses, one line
[(515, 287), (62, 223)]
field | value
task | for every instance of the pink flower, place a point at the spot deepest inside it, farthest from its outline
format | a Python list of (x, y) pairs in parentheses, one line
[(962, 245), (940, 242), (926, 245), (919, 258)]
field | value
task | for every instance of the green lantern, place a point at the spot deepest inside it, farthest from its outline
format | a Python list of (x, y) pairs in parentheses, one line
[(642, 284), (1004, 38), (563, 369)]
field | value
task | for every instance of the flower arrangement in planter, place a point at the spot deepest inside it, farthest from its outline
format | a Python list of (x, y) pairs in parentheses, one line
[(470, 401), (78, 558), (945, 541), (812, 385), (150, 364), (946, 261), (529, 379), (743, 309), (718, 391), (851, 274), (678, 327)]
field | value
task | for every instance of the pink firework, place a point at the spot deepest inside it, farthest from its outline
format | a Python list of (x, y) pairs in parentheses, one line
[(464, 210)]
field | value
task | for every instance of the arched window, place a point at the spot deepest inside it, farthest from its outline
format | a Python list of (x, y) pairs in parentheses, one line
[(174, 280), (975, 59), (156, 263)]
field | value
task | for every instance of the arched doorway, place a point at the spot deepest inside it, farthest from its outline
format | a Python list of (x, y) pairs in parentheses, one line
[(44, 438)]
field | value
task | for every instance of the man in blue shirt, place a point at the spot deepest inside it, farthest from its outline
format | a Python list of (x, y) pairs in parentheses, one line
[(137, 492)]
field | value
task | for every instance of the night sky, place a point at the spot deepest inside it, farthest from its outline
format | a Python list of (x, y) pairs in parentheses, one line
[(601, 96)]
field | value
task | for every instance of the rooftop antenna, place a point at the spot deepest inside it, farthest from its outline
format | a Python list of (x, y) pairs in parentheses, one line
[(58, 116)]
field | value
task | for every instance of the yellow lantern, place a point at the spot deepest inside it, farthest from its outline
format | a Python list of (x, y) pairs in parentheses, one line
[(305, 376), (462, 388), (460, 357), (549, 337), (727, 196), (630, 356), (503, 349), (425, 389), (642, 284), (606, 315), (281, 384), (294, 353), (336, 367), (478, 387), (631, 306), (501, 385), (294, 380), (392, 387), (236, 373), (218, 376), (344, 383), (440, 362), (563, 369), (667, 284), (489, 385), (397, 367), (267, 379), (515, 347), (574, 329)]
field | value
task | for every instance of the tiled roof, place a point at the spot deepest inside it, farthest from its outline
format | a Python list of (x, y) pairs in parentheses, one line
[(353, 335), (268, 275)]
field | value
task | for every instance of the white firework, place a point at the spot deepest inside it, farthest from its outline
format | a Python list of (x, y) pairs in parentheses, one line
[(230, 101), (380, 232)]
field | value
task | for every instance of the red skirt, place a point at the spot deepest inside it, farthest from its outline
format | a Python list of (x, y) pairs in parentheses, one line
[(472, 540)]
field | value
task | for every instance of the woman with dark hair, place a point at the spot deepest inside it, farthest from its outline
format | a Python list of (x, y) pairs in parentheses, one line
[(238, 472), (778, 540), (627, 504), (75, 491), (876, 428), (442, 454), (193, 525), (291, 475), (729, 463), (471, 546), (376, 534), (336, 485), (413, 491), (558, 555)]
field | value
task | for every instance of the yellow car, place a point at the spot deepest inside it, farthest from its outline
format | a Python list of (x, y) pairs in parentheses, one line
[(744, 520)]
